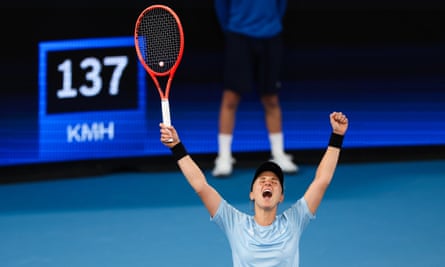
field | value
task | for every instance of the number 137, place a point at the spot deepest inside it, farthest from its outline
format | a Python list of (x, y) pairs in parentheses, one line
[(93, 75)]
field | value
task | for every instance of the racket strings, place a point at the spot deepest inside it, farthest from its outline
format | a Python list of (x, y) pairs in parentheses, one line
[(159, 40)]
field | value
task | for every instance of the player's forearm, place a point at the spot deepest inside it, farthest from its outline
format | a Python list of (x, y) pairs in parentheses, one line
[(188, 166), (192, 173), (326, 168), (323, 176), (328, 163)]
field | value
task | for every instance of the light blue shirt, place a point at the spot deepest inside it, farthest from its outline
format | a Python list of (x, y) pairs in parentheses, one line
[(256, 245)]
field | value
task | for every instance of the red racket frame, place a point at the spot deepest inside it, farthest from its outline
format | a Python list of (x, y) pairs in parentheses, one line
[(164, 94)]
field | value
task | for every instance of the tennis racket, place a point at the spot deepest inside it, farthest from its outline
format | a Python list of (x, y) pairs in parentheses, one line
[(159, 41)]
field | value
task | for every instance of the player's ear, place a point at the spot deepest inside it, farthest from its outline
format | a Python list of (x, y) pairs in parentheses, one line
[(251, 196)]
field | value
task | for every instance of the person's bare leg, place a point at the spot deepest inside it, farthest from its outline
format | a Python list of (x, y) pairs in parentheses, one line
[(227, 117), (272, 113), (273, 118), (227, 114)]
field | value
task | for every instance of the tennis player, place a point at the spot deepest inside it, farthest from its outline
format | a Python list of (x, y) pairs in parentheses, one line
[(266, 238)]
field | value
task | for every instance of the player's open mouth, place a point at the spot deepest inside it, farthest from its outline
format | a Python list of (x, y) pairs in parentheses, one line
[(267, 193)]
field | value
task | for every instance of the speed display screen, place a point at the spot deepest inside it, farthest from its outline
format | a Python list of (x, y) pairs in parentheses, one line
[(91, 99), (90, 80)]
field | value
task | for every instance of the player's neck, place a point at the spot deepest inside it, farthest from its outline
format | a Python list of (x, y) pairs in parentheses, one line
[(265, 217)]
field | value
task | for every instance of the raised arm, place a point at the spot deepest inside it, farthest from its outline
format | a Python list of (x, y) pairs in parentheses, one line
[(194, 175), (326, 168)]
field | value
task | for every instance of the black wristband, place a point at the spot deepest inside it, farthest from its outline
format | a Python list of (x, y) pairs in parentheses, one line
[(336, 140), (179, 151)]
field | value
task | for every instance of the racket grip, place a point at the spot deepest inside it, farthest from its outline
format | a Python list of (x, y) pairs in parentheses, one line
[(165, 112)]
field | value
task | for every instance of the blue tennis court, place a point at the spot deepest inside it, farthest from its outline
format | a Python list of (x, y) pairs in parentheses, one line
[(374, 214)]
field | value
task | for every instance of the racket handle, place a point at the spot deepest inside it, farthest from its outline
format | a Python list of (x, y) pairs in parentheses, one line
[(166, 112)]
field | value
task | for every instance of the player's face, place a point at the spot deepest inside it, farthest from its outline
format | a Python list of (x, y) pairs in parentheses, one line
[(267, 191)]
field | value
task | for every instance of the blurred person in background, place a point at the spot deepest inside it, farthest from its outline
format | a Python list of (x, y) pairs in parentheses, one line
[(253, 58)]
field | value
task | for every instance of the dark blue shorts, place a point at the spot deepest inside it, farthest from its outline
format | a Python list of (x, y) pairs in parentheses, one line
[(252, 63)]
